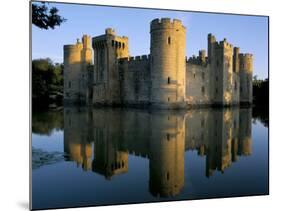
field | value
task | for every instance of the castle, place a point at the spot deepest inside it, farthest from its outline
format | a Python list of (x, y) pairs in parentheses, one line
[(101, 72)]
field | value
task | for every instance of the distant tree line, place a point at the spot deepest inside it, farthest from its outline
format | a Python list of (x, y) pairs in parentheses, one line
[(260, 92), (47, 83)]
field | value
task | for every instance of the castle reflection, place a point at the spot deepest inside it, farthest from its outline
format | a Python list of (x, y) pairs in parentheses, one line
[(101, 140)]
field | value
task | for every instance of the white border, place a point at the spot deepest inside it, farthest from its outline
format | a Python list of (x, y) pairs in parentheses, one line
[(14, 86)]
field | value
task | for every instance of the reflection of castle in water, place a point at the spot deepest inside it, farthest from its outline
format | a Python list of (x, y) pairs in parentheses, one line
[(101, 141)]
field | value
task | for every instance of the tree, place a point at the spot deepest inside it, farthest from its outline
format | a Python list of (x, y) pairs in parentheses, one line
[(46, 18), (47, 82)]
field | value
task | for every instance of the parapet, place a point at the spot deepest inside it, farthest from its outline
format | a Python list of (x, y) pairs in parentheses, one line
[(110, 31), (134, 59), (166, 23), (247, 55), (224, 44), (75, 47), (198, 60), (246, 62)]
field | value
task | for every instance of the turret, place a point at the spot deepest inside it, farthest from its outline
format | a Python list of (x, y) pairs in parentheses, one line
[(167, 62), (108, 48), (76, 57), (202, 56), (222, 73), (211, 46), (246, 74)]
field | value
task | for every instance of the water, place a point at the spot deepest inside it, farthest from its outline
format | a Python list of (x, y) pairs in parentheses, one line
[(112, 156)]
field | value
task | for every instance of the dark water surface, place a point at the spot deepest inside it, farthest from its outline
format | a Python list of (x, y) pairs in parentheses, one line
[(87, 157)]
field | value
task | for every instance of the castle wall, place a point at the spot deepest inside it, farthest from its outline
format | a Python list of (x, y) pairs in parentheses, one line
[(135, 82), (197, 84)]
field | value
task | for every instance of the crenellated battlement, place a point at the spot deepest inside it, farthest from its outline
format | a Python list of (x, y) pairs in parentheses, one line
[(223, 44), (246, 62), (198, 60), (134, 59), (163, 23), (247, 55)]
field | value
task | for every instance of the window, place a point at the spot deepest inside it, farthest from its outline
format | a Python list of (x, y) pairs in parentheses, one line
[(168, 137), (168, 99), (168, 176), (169, 40), (169, 80), (112, 43), (203, 90), (123, 45), (194, 75), (69, 84), (216, 90)]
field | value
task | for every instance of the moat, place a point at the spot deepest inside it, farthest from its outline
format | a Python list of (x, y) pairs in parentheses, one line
[(85, 157)]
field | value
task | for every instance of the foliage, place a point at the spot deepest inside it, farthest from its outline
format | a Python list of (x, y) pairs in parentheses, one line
[(47, 81), (260, 92), (46, 18)]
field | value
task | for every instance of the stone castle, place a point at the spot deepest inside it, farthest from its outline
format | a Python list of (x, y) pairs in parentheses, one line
[(101, 72)]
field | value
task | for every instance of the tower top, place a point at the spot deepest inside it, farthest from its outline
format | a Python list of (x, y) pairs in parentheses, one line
[(110, 31), (161, 23)]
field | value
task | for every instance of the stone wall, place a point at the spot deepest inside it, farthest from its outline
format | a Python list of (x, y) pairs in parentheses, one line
[(197, 84), (135, 80)]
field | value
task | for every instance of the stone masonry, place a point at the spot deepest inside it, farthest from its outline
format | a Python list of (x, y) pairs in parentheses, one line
[(100, 71)]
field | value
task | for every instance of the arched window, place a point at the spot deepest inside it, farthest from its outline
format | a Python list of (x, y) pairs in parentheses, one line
[(169, 80), (169, 40)]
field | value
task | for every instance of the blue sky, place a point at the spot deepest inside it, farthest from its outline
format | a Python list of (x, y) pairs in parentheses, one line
[(250, 33)]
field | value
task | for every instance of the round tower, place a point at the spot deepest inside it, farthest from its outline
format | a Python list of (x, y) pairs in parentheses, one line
[(246, 74), (72, 69), (168, 66)]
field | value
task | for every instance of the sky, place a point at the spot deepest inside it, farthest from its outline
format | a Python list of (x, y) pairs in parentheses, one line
[(250, 33)]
